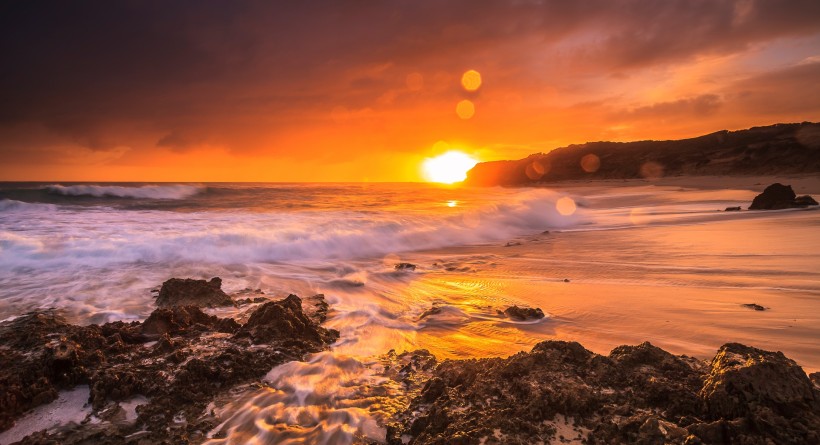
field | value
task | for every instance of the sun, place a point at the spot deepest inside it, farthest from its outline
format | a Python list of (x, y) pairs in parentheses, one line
[(449, 167)]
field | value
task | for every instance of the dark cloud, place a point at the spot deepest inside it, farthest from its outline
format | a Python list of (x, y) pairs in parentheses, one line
[(243, 75), (698, 106)]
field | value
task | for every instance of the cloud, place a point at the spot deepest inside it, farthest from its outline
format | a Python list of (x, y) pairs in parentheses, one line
[(287, 78)]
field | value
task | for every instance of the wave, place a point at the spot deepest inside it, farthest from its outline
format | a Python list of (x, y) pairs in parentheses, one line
[(178, 191), (10, 205), (113, 237)]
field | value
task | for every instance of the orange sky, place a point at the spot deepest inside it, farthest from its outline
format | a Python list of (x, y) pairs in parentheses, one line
[(365, 91)]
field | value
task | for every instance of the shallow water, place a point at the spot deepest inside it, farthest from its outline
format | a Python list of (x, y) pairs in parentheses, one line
[(644, 262)]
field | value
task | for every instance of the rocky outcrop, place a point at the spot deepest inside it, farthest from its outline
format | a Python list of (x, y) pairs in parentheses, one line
[(778, 196), (524, 313), (189, 292), (405, 266), (638, 394), (771, 150), (179, 360), (284, 320)]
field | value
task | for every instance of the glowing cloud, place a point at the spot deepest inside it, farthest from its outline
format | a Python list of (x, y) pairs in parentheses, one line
[(448, 168)]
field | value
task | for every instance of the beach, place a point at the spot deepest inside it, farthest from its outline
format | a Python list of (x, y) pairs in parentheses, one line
[(633, 261)]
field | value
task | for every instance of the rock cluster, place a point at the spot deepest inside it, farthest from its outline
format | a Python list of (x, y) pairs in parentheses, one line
[(778, 196), (561, 392), (179, 359)]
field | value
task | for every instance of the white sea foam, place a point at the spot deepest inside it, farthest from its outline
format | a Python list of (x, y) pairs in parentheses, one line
[(104, 237), (177, 191)]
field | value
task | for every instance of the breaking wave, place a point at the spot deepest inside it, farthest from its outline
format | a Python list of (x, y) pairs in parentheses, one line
[(177, 191), (107, 237)]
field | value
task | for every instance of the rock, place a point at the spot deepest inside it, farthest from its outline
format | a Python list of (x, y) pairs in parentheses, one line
[(639, 394), (432, 311), (775, 196), (779, 196), (185, 319), (316, 308), (566, 280), (195, 359), (754, 306), (284, 320), (189, 292), (524, 313), (767, 390), (405, 266), (804, 201), (732, 209)]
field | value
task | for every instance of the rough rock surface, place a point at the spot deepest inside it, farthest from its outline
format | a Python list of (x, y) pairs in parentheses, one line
[(778, 196), (189, 292), (638, 394), (179, 360), (524, 313)]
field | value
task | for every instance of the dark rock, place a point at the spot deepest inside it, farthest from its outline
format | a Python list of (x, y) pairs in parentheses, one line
[(195, 359), (189, 292), (566, 280), (804, 201), (187, 319), (524, 313), (778, 196), (773, 395), (639, 394), (405, 266), (754, 306), (284, 320), (775, 196), (732, 209)]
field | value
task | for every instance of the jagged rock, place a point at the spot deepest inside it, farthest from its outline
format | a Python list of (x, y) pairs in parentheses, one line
[(405, 266), (524, 313), (284, 319), (639, 394), (189, 292), (178, 319), (766, 389), (754, 306), (779, 196), (194, 359)]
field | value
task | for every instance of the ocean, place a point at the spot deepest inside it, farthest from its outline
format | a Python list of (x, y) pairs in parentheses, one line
[(609, 263)]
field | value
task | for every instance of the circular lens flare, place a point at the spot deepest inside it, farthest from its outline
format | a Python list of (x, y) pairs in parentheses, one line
[(449, 167), (465, 109), (471, 80)]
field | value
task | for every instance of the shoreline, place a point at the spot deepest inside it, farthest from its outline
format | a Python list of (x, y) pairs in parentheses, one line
[(634, 393)]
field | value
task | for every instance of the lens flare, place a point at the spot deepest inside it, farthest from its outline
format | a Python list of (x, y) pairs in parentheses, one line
[(471, 80), (465, 109), (565, 206), (448, 168)]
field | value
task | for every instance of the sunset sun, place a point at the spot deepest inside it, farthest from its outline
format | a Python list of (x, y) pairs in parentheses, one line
[(448, 168)]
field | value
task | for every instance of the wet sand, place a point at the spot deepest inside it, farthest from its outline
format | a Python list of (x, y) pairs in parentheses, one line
[(679, 286)]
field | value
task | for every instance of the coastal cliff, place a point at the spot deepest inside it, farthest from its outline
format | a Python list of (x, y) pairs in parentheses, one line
[(774, 149)]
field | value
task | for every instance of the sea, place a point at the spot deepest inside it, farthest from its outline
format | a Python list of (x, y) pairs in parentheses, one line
[(607, 262)]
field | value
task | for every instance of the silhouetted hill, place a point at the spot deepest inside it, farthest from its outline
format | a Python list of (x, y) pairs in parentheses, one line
[(775, 149)]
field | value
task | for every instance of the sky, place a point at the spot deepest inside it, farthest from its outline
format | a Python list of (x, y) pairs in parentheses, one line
[(367, 90)]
